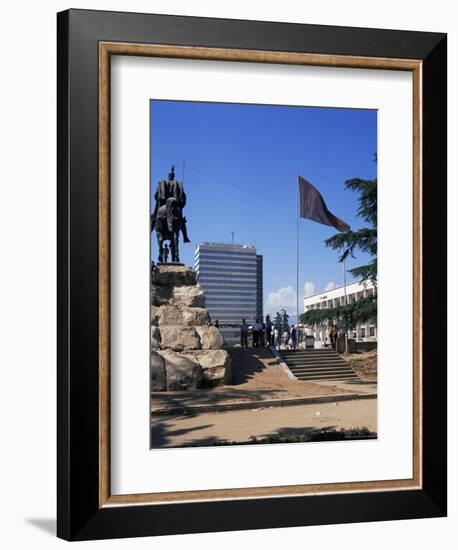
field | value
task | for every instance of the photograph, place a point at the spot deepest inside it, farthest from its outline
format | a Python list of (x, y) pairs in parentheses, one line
[(263, 278), (251, 273)]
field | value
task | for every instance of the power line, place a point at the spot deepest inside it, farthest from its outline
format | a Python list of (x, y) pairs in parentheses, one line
[(227, 182)]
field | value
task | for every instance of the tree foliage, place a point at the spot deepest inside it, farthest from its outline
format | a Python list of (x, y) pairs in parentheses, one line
[(347, 243), (277, 321), (344, 316), (285, 321), (364, 239), (281, 321)]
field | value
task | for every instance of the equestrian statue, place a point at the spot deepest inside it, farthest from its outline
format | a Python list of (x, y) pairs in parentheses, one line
[(167, 218)]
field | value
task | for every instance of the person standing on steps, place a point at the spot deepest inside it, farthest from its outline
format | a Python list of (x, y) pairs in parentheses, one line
[(293, 337), (257, 328), (269, 330), (285, 339), (244, 334)]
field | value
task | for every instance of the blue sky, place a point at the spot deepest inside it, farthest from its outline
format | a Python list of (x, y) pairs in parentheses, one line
[(241, 164)]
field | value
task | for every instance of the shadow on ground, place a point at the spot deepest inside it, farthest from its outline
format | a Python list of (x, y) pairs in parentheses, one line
[(253, 380), (171, 400), (162, 435), (287, 434), (248, 363)]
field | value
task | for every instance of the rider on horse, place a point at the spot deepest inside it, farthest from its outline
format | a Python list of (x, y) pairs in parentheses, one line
[(170, 201)]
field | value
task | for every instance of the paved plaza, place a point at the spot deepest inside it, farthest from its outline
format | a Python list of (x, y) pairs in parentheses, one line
[(263, 400), (240, 425)]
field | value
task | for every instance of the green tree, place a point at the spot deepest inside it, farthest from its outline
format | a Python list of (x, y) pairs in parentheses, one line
[(285, 321), (281, 321), (345, 316), (277, 321), (364, 239)]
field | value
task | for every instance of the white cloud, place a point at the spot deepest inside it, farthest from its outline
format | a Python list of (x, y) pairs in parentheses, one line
[(283, 298), (309, 288), (330, 286)]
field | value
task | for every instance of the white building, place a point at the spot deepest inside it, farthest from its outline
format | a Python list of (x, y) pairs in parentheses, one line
[(336, 297)]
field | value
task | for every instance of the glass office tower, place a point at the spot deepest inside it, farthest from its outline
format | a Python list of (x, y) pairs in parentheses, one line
[(231, 277)]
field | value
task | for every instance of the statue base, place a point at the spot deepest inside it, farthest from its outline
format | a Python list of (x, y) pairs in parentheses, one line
[(169, 263), (186, 351)]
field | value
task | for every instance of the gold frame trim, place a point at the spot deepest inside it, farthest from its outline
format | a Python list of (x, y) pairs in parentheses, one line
[(106, 50)]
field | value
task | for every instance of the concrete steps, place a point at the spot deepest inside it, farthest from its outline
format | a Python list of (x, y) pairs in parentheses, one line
[(317, 364)]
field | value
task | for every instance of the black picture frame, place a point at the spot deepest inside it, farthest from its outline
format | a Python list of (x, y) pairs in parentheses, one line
[(80, 516)]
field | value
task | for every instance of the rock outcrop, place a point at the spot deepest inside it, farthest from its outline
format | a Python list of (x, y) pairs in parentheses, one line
[(157, 372), (182, 372), (186, 352)]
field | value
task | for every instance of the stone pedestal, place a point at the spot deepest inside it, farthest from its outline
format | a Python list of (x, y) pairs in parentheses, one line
[(186, 352)]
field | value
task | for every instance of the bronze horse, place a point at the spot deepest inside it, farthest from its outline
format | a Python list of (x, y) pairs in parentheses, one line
[(167, 223), (167, 218)]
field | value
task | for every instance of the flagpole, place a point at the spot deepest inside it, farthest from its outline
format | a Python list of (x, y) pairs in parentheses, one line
[(345, 302), (297, 252), (344, 282)]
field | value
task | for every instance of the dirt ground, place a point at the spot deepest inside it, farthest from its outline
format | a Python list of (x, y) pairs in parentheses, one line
[(364, 364), (256, 376), (212, 428)]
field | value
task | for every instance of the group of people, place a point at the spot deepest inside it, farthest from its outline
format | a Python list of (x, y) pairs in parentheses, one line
[(256, 329), (266, 334), (289, 339)]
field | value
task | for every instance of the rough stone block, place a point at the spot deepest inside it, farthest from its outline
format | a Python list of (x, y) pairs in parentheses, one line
[(155, 315), (186, 316), (195, 316), (170, 315), (174, 275), (216, 366), (179, 338), (161, 295), (155, 338), (190, 296), (183, 373), (210, 337), (157, 372)]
